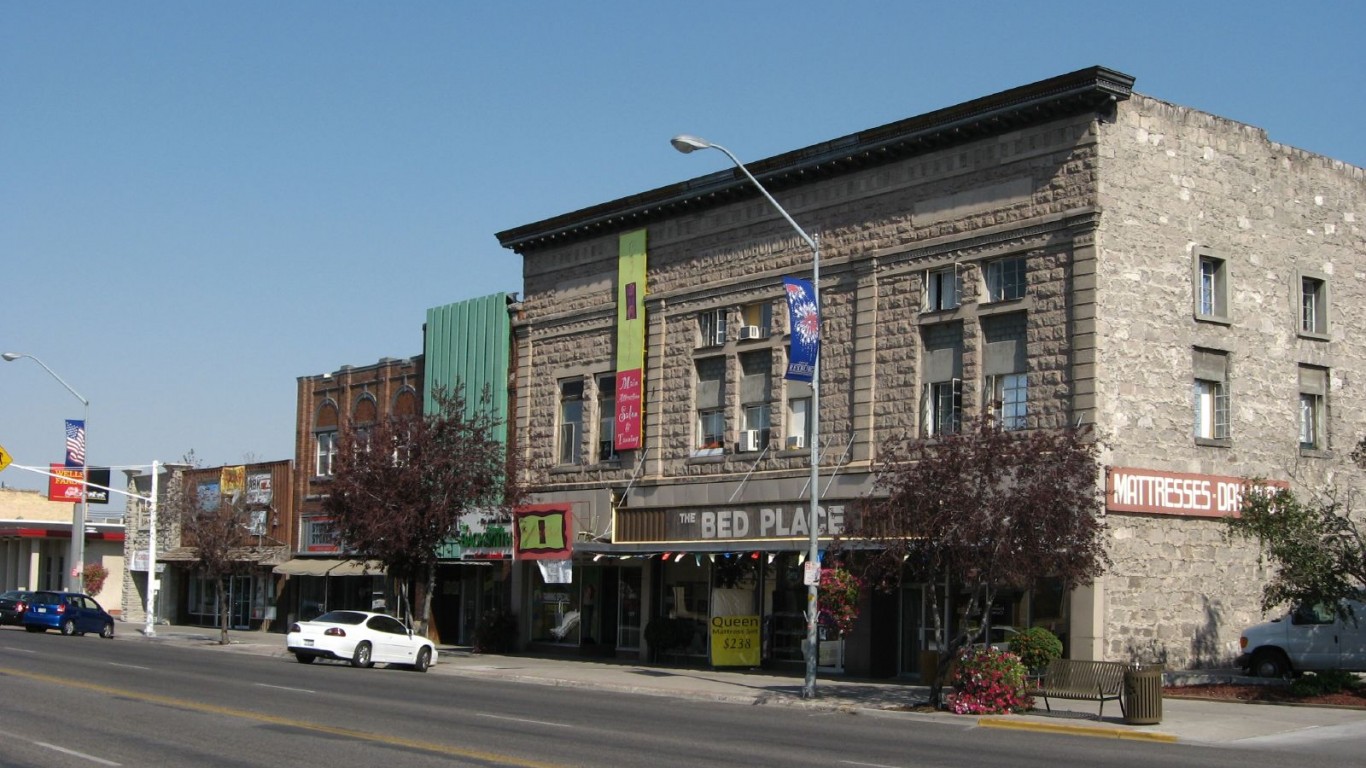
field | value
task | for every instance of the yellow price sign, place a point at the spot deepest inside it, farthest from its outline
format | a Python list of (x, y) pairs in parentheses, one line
[(5, 458)]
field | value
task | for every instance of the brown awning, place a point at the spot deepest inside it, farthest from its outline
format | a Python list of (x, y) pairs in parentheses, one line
[(322, 566)]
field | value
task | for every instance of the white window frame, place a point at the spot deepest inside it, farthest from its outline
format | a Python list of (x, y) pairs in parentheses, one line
[(943, 289), (711, 429), (711, 327), (942, 408), (1211, 286), (1311, 422), (1005, 278), (325, 452), (798, 422), (1211, 409), (569, 431), (757, 417), (1008, 402), (1313, 306)]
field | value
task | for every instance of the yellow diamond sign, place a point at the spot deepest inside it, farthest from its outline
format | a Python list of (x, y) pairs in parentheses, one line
[(5, 458)]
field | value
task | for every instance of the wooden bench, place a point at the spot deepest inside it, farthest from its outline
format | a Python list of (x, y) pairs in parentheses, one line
[(1082, 680)]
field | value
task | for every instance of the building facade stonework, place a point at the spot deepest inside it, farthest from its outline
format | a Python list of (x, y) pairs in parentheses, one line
[(1065, 252)]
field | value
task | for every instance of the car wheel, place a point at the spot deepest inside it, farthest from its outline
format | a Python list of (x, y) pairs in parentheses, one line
[(1270, 663), (424, 660), (69, 627), (107, 631), (35, 628), (361, 658), (305, 658)]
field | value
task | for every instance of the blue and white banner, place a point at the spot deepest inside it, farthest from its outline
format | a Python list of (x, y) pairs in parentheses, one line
[(75, 442), (804, 318)]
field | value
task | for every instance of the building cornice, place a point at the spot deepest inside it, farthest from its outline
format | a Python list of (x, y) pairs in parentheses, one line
[(1095, 89)]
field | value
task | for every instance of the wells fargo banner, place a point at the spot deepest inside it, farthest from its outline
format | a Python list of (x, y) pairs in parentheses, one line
[(630, 340), (67, 484), (543, 532), (735, 641)]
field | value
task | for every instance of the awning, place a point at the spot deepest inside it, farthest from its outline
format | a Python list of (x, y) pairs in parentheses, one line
[(319, 566)]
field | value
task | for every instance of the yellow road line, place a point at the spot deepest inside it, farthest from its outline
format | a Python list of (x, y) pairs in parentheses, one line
[(1076, 730), (213, 709)]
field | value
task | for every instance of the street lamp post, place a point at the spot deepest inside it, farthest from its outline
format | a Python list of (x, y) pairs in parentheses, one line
[(685, 144), (81, 511)]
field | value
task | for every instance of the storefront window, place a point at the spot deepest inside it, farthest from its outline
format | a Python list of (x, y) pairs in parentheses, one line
[(687, 599), (784, 609), (555, 611), (628, 609)]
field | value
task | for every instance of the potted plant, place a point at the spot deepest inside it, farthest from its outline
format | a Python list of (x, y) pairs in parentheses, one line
[(1036, 647)]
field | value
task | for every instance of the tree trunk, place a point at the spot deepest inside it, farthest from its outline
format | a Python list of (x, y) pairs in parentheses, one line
[(429, 628), (223, 618)]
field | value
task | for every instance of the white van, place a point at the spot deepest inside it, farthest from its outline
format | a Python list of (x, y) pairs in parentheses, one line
[(1305, 639)]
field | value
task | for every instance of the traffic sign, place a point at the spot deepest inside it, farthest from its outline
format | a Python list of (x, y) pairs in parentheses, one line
[(5, 458)]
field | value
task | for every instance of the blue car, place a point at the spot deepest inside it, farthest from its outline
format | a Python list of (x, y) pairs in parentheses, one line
[(70, 612)]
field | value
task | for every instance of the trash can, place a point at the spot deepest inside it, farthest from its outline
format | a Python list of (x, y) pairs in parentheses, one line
[(1143, 694)]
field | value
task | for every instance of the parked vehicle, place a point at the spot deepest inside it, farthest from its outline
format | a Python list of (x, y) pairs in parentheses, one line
[(1308, 638), (360, 637), (70, 612), (12, 606)]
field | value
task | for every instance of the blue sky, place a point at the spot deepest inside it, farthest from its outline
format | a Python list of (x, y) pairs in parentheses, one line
[(201, 202)]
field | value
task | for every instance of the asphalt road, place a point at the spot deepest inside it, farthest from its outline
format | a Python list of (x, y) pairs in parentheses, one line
[(91, 702)]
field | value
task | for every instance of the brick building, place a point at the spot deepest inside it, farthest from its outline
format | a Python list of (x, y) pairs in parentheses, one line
[(1066, 251)]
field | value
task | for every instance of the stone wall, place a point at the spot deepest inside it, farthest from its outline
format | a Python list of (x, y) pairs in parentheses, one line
[(1175, 179)]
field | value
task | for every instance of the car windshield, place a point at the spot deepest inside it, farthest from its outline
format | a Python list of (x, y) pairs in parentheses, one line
[(341, 617)]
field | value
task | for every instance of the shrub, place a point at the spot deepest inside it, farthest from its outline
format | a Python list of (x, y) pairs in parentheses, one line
[(1324, 682), (92, 578), (987, 681), (496, 633), (1036, 646)]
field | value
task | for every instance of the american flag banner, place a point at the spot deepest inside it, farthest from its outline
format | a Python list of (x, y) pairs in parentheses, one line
[(75, 442)]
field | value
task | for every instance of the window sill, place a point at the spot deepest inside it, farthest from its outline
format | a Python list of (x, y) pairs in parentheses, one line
[(1312, 336), (1004, 306), (1315, 453), (565, 469), (1213, 319), (1215, 442), (708, 456)]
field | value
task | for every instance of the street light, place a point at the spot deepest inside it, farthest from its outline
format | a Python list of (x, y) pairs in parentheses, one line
[(685, 144), (79, 513)]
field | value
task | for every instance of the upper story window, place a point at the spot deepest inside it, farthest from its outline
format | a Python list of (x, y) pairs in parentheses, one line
[(570, 428), (1008, 395), (756, 370), (1313, 306), (1313, 408), (797, 417), (1005, 278), (1211, 286), (1211, 395), (756, 321), (325, 426), (1005, 366), (607, 418), (942, 288), (711, 400), (942, 409), (711, 326)]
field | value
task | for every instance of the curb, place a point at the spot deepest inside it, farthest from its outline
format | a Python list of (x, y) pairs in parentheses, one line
[(1076, 730)]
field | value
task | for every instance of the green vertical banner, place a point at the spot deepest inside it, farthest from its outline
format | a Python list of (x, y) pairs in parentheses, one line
[(630, 341)]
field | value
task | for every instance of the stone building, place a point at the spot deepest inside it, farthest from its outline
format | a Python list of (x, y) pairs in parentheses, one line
[(1066, 251)]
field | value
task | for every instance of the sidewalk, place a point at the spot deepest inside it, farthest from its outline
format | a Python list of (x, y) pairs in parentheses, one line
[(1183, 720)]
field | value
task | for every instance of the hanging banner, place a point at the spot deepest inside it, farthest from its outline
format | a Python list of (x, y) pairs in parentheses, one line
[(804, 318), (543, 532), (75, 442), (234, 483), (259, 488), (630, 395)]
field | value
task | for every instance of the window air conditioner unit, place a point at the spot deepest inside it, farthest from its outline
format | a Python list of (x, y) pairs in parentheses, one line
[(749, 332), (749, 440), (795, 442)]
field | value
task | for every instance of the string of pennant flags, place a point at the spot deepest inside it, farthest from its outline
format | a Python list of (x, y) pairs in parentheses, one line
[(697, 556)]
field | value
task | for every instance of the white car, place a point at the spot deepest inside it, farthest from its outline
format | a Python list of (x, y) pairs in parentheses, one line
[(360, 637)]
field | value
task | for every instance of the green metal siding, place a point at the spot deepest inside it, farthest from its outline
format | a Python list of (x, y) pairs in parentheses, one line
[(468, 343)]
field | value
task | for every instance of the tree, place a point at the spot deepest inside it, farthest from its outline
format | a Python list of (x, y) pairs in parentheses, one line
[(982, 509), (1316, 546), (399, 486)]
